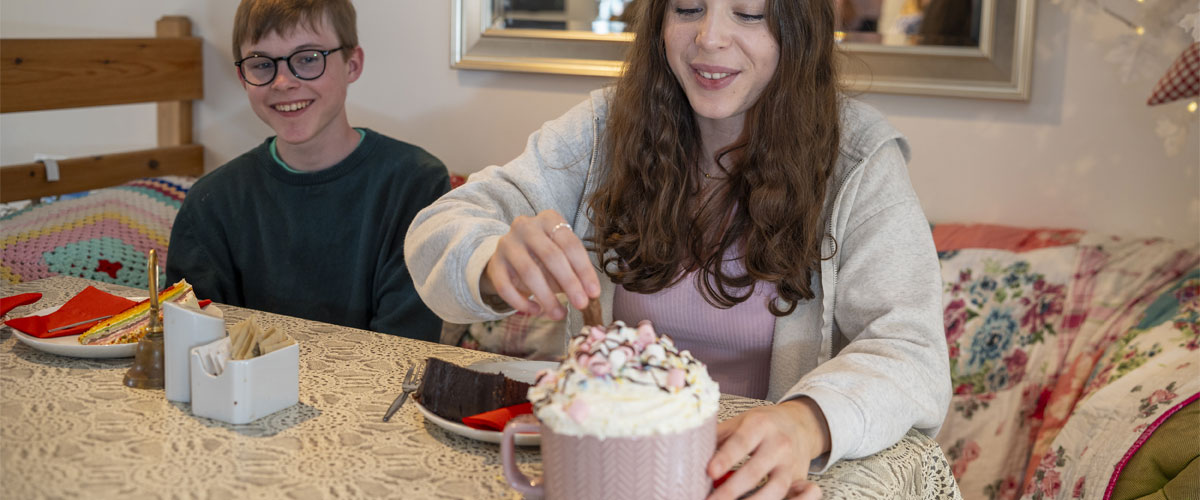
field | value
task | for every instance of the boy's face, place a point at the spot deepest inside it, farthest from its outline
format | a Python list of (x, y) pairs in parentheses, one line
[(300, 111)]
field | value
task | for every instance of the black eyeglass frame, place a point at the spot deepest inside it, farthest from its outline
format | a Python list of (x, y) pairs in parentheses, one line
[(288, 60)]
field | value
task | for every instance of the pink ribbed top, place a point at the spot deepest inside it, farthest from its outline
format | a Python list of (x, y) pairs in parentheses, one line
[(735, 343)]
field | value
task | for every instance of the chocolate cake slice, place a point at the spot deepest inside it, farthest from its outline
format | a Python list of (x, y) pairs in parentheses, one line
[(454, 392)]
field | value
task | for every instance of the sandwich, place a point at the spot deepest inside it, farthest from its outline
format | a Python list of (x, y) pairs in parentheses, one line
[(129, 326)]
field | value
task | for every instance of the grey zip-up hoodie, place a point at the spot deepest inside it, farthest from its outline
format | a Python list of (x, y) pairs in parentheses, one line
[(870, 348)]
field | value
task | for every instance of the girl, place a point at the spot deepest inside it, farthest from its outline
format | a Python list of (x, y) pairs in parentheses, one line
[(727, 192)]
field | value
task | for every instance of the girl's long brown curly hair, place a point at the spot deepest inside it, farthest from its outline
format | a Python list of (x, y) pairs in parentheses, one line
[(651, 208)]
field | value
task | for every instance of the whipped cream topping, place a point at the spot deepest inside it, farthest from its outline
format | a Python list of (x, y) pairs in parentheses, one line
[(623, 381)]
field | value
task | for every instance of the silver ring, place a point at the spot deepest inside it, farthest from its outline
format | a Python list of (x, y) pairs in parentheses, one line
[(560, 226)]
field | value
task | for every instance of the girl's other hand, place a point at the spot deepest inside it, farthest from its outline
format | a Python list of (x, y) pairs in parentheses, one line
[(780, 441), (539, 257)]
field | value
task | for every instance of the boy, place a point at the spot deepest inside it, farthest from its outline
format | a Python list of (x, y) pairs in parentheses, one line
[(311, 222)]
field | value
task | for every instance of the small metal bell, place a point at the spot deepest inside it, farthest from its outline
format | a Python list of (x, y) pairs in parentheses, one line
[(147, 369)]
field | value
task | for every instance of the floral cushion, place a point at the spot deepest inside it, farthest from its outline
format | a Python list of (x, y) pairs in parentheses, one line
[(519, 334), (1031, 315), (1148, 373), (1007, 322)]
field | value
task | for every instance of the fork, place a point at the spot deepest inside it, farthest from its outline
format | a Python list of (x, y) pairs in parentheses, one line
[(407, 386)]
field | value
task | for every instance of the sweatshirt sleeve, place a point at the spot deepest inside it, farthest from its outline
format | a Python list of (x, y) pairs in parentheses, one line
[(449, 243), (398, 310), (197, 252), (893, 372)]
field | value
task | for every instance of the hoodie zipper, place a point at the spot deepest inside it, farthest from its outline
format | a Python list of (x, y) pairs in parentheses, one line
[(587, 182), (837, 201)]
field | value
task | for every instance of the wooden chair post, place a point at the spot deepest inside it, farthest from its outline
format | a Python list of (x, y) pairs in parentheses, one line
[(174, 117)]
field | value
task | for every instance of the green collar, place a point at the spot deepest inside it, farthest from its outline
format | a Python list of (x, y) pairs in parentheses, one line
[(275, 153)]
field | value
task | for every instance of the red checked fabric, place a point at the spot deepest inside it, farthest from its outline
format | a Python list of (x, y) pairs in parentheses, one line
[(1181, 81)]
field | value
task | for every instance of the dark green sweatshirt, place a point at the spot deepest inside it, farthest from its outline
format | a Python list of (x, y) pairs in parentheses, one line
[(326, 246)]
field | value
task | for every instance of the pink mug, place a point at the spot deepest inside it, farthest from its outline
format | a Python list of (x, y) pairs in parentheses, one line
[(668, 466)]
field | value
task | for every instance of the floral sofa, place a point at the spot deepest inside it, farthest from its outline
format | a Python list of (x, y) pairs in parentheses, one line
[(1068, 351)]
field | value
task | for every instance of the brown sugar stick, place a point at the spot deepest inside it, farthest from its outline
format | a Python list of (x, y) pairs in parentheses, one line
[(593, 315), (237, 336)]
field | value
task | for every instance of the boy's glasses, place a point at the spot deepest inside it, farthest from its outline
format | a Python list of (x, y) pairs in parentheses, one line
[(308, 64)]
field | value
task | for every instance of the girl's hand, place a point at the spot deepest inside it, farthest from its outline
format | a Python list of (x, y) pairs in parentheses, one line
[(781, 441), (539, 257)]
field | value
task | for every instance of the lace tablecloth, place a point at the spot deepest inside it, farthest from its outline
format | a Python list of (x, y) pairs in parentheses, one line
[(70, 429)]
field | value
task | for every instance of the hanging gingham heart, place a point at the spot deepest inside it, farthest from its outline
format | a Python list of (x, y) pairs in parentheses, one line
[(1181, 81)]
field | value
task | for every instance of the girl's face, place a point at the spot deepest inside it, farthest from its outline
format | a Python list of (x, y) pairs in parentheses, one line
[(723, 54)]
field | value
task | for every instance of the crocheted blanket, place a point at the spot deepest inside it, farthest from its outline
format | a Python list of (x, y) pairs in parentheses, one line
[(102, 235)]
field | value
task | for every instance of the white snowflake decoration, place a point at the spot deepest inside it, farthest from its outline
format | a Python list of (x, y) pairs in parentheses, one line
[(1174, 131), (1136, 58), (1191, 23), (1158, 29)]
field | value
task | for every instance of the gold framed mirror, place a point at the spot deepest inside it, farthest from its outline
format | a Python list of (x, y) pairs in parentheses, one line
[(993, 61)]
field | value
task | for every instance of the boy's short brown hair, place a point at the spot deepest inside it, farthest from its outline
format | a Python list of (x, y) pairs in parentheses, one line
[(256, 19)]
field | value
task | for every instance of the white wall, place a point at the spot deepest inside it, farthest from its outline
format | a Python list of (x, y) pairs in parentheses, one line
[(1081, 153)]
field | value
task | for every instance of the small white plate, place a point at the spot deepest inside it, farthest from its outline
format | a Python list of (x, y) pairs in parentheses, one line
[(521, 371), (521, 439), (69, 345)]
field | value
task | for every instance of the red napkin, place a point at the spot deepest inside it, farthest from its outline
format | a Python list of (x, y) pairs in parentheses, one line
[(494, 420), (90, 303), (8, 303)]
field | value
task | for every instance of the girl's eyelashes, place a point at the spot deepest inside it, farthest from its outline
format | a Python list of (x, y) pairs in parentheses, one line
[(696, 10)]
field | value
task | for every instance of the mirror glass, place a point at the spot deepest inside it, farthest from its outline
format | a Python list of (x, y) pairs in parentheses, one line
[(962, 48), (882, 22)]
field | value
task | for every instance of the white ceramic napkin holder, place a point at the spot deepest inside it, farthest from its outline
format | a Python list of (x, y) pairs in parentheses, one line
[(183, 329), (247, 389)]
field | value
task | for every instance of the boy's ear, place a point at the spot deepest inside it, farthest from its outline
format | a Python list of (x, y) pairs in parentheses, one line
[(237, 72), (354, 64)]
